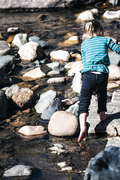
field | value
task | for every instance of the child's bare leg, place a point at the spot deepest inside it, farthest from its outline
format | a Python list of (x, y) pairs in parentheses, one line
[(104, 116), (82, 119)]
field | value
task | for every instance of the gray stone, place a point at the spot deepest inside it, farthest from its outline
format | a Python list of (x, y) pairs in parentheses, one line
[(41, 42), (105, 165), (114, 58), (4, 48), (12, 90), (45, 100), (55, 105), (44, 4), (7, 63), (74, 109), (3, 105), (18, 170)]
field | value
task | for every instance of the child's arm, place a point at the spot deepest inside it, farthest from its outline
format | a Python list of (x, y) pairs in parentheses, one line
[(114, 47)]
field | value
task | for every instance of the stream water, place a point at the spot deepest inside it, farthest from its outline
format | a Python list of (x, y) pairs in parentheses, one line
[(35, 152)]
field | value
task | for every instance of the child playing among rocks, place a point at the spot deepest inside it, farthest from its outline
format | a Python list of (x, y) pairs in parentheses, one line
[(94, 50)]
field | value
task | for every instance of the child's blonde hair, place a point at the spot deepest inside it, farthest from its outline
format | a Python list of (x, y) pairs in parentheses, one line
[(93, 27)]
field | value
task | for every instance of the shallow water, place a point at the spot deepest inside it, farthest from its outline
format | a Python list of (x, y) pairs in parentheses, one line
[(15, 149)]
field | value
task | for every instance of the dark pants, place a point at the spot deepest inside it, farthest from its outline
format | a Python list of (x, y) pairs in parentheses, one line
[(91, 83)]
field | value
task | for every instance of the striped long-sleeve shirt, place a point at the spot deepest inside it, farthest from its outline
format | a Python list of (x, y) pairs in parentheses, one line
[(95, 53)]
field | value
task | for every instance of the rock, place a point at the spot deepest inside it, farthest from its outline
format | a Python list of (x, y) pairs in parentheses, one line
[(52, 73), (114, 58), (4, 48), (112, 86), (71, 65), (105, 165), (77, 83), (3, 105), (31, 51), (32, 130), (111, 130), (68, 168), (71, 41), (45, 100), (23, 98), (53, 65), (56, 80), (63, 123), (116, 96), (55, 105), (12, 90), (19, 40), (61, 164), (76, 69), (33, 74), (7, 63), (77, 56), (41, 42), (85, 16), (13, 29), (5, 80), (44, 4), (10, 39), (114, 72), (113, 141), (112, 14), (94, 11), (69, 102), (18, 170), (57, 149), (60, 55), (74, 109)]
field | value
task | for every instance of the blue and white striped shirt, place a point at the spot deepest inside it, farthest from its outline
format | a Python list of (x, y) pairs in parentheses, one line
[(95, 53)]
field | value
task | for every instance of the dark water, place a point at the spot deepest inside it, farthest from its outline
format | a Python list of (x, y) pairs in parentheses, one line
[(35, 152)]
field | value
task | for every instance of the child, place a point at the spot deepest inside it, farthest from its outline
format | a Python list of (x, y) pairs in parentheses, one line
[(94, 50)]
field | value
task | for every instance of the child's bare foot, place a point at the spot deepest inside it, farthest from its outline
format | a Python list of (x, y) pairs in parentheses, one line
[(82, 135), (104, 116)]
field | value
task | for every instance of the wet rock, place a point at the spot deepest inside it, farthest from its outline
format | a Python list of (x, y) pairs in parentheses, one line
[(31, 51), (41, 42), (4, 48), (114, 72), (3, 105), (85, 16), (105, 165), (71, 41), (19, 40), (77, 83), (77, 56), (57, 149), (5, 80), (53, 65), (18, 170), (56, 80), (12, 90), (68, 168), (45, 100), (114, 58), (32, 130), (10, 39), (69, 102), (52, 73), (112, 14), (62, 164), (23, 98), (60, 55), (63, 123), (33, 74), (13, 29), (7, 63), (55, 105)]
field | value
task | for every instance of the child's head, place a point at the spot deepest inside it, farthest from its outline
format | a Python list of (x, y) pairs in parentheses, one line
[(93, 28)]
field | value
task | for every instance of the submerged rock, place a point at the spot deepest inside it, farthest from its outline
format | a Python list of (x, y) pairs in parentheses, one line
[(3, 105), (32, 130), (18, 170)]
